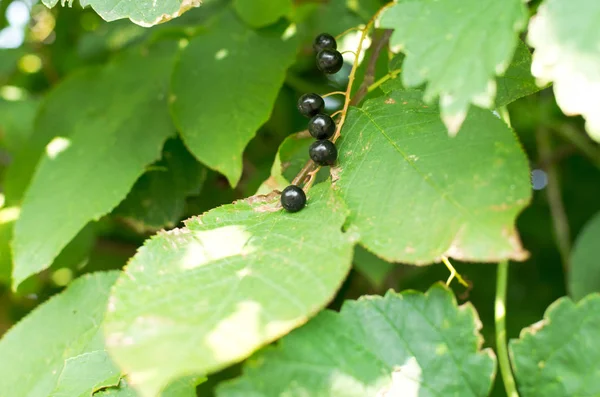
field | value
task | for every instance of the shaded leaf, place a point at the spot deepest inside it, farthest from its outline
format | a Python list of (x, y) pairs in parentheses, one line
[(457, 47), (370, 266), (125, 114), (404, 344), (565, 40), (258, 13), (34, 351), (197, 299), (185, 387), (416, 194), (560, 356), (584, 272), (16, 123), (142, 12), (517, 81), (218, 113)]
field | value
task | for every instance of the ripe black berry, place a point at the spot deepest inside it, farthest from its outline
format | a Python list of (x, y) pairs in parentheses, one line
[(323, 152), (324, 40), (293, 198), (310, 104), (321, 126), (329, 61)]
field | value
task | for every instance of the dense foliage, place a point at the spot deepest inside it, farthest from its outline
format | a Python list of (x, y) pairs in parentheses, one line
[(216, 198)]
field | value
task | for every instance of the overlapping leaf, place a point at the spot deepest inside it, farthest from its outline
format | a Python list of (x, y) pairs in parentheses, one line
[(408, 344), (584, 274), (218, 110), (34, 351), (185, 387), (560, 356), (416, 194), (101, 150), (197, 299), (258, 13), (143, 12), (565, 39), (457, 47)]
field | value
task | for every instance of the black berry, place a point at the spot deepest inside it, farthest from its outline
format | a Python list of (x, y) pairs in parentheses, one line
[(310, 104), (323, 41), (323, 152), (293, 198), (329, 61), (321, 126)]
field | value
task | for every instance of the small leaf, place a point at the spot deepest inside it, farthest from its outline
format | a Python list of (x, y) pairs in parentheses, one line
[(416, 194), (565, 40), (404, 344), (560, 356), (217, 113), (197, 299), (457, 47), (124, 114), (142, 12), (157, 199), (517, 81), (259, 13), (34, 351), (584, 274)]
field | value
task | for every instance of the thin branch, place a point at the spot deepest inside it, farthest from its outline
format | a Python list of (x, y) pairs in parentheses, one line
[(500, 322), (562, 234), (391, 75), (380, 42)]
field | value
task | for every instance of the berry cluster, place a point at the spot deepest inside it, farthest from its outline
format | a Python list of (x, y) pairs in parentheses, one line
[(321, 126)]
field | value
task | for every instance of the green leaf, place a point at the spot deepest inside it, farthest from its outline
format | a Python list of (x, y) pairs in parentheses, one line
[(142, 12), (197, 299), (16, 123), (456, 47), (404, 344), (8, 61), (87, 171), (86, 373), (66, 326), (157, 199), (259, 13), (448, 196), (560, 356), (371, 267), (584, 274), (8, 216), (517, 81), (218, 113), (566, 53), (185, 387)]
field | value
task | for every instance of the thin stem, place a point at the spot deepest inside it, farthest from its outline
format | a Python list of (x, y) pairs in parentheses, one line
[(336, 113), (345, 32), (333, 93), (391, 75), (349, 52), (381, 40), (500, 322), (453, 273)]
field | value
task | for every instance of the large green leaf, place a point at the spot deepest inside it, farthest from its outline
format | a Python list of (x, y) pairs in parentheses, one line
[(416, 194), (565, 40), (408, 344), (99, 155), (143, 12), (584, 274), (34, 351), (258, 13), (218, 110), (197, 299), (456, 47), (185, 387), (560, 356), (157, 199)]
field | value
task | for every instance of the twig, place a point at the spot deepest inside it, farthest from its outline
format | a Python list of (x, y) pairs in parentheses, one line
[(500, 322), (580, 141), (453, 273), (391, 75), (557, 209), (380, 42)]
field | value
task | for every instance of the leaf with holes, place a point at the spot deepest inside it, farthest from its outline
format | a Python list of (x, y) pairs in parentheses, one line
[(142, 12), (197, 299), (218, 115), (405, 344), (565, 39), (34, 351), (457, 47), (124, 113), (416, 194), (560, 356)]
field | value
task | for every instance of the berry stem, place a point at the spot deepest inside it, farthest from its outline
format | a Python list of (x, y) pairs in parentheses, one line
[(453, 273), (333, 93), (336, 113), (345, 32), (391, 75)]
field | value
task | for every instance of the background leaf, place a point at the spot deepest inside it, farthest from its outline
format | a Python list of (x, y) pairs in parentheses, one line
[(446, 196), (456, 47), (131, 124), (258, 13), (185, 387), (34, 351), (197, 299), (206, 93), (370, 266), (584, 274), (517, 81), (560, 356), (566, 53), (401, 344)]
